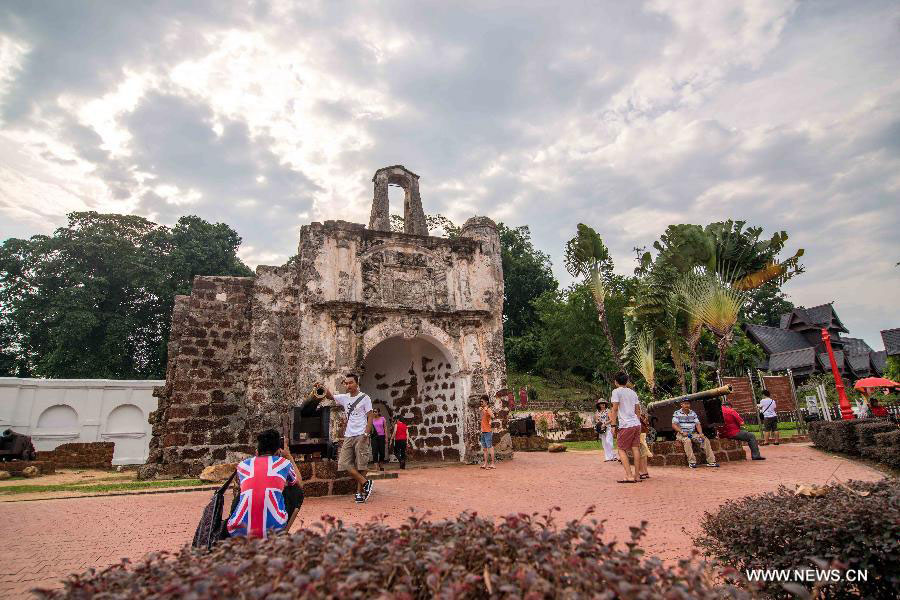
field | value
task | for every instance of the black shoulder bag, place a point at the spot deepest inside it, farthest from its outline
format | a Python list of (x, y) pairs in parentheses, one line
[(211, 529)]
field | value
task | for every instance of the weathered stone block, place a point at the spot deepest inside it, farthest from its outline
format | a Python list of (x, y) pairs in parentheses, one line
[(193, 453), (678, 460), (340, 487), (306, 470), (215, 473), (312, 489)]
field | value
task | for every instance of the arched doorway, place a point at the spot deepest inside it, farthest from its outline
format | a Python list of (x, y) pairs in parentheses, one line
[(416, 378)]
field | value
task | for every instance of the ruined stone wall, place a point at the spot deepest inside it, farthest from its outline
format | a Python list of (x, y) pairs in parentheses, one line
[(245, 351), (203, 413)]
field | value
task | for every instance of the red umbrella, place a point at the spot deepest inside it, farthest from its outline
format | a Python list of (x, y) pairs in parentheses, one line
[(874, 382)]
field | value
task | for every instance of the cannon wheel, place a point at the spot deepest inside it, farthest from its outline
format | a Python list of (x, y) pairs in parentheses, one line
[(651, 435)]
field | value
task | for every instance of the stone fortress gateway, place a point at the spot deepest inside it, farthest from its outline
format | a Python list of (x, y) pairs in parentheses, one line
[(420, 318)]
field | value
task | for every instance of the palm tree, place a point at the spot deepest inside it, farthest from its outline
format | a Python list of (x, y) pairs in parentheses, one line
[(587, 256), (599, 290), (713, 301)]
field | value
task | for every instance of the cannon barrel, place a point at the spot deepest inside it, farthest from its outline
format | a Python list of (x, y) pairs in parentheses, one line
[(704, 395)]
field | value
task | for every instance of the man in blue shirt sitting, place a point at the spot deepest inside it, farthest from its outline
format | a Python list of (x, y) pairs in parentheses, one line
[(687, 427)]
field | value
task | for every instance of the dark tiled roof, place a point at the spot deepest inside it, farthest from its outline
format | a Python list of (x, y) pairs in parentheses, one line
[(879, 359), (775, 340), (822, 315), (856, 346), (891, 339), (785, 319), (838, 358), (793, 359), (859, 363)]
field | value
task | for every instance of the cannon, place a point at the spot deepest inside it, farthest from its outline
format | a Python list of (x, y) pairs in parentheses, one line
[(706, 404)]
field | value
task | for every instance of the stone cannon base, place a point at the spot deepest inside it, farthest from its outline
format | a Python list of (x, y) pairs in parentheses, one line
[(15, 467), (531, 443), (671, 454)]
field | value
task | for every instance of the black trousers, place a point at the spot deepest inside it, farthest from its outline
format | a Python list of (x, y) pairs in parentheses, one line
[(378, 448), (400, 450)]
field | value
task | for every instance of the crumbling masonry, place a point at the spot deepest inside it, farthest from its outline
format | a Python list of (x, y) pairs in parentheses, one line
[(419, 317)]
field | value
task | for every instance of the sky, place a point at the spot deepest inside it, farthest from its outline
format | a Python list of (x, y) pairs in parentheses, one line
[(627, 116)]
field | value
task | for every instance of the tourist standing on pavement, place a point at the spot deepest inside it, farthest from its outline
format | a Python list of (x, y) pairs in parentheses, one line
[(356, 450), (487, 435), (400, 436), (686, 424), (732, 430), (605, 431), (379, 432), (770, 418), (624, 416)]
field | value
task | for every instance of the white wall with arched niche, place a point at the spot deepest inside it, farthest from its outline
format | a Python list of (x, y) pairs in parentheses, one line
[(61, 411)]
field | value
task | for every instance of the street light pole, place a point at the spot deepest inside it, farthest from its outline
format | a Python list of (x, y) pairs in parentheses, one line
[(846, 411)]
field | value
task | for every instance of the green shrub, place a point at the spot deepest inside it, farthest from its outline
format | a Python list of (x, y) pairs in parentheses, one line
[(839, 435), (783, 531), (520, 556), (887, 450), (866, 435)]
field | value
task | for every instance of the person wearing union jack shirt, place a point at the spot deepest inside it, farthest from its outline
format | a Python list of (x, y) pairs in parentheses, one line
[(270, 490)]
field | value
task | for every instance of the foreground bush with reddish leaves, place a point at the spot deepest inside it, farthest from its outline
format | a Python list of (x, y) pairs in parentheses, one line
[(845, 526), (470, 557)]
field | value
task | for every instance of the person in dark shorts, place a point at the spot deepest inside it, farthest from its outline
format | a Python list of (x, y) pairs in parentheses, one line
[(770, 418), (624, 416), (270, 480)]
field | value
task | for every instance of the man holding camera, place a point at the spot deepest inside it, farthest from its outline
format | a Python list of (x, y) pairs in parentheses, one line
[(356, 451)]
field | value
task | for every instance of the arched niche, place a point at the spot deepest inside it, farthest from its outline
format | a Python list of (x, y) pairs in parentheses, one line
[(59, 417), (125, 418), (416, 377)]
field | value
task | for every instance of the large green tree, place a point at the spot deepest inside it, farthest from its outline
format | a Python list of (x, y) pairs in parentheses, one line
[(527, 275), (587, 256), (94, 300)]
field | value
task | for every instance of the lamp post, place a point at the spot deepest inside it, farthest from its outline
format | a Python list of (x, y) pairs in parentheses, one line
[(846, 411)]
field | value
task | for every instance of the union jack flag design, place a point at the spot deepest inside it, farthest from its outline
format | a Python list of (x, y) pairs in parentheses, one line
[(261, 504)]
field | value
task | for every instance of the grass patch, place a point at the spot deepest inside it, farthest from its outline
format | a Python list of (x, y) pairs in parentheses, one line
[(561, 389), (785, 426), (98, 487), (589, 445)]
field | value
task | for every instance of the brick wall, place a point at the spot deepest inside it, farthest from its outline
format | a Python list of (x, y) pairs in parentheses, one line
[(202, 412), (779, 387), (742, 396), (671, 454), (15, 467), (91, 455)]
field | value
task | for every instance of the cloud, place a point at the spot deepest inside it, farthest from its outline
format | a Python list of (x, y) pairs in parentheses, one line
[(627, 116)]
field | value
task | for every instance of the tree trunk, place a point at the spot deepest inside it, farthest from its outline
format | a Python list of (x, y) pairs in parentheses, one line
[(679, 368), (694, 365), (601, 312), (724, 343)]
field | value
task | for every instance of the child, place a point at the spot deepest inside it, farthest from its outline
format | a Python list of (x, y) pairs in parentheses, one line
[(605, 431)]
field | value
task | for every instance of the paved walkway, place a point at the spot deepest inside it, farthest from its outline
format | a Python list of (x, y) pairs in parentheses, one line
[(45, 540)]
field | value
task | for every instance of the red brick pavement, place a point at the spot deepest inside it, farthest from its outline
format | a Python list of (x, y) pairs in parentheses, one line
[(45, 540)]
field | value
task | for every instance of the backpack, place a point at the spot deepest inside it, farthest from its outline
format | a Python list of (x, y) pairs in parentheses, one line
[(211, 528)]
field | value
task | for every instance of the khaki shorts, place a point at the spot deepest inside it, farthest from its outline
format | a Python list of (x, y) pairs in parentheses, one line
[(356, 452)]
